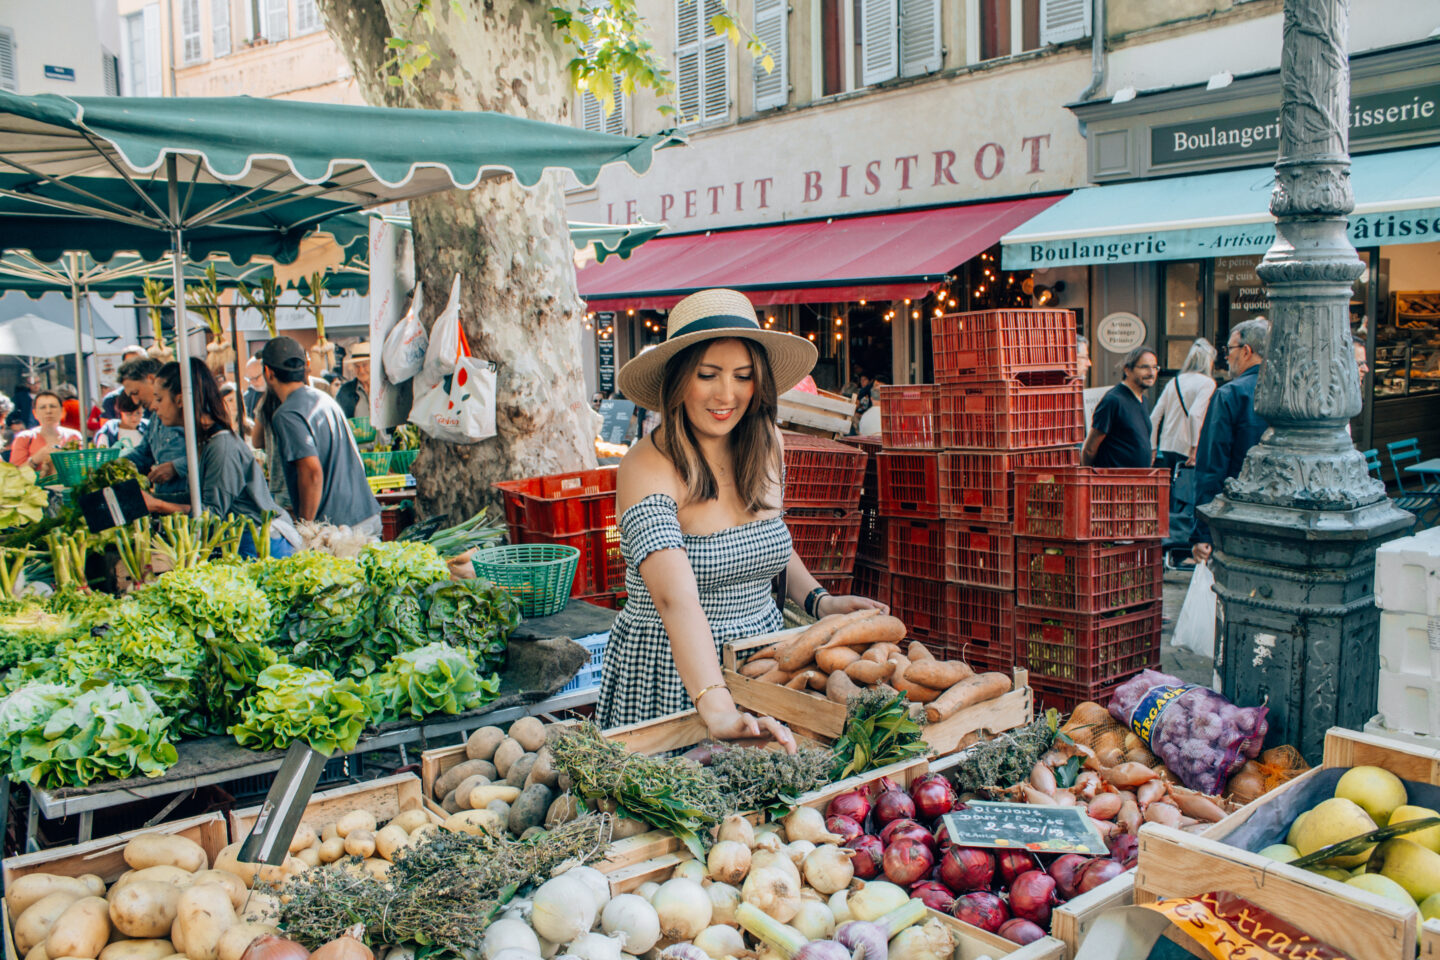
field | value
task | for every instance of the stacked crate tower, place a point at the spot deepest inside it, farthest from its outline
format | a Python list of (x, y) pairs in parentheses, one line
[(823, 480), (872, 573), (575, 510)]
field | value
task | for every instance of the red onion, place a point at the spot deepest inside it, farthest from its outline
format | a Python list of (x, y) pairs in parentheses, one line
[(1125, 849), (907, 828), (1065, 871), (907, 861), (1032, 895), (854, 804), (869, 856), (847, 828), (981, 909), (967, 868), (942, 838), (1021, 931), (937, 896), (893, 803), (1012, 863), (933, 796), (1097, 872)]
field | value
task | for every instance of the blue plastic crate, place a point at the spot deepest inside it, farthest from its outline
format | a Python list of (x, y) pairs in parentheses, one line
[(589, 676)]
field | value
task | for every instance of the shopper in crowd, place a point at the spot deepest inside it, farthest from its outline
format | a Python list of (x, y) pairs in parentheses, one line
[(1120, 431), (35, 446), (1232, 426), (1180, 412), (70, 398), (230, 396), (109, 401), (1361, 359), (254, 385), (127, 430), (161, 454), (231, 481), (869, 424), (24, 398), (354, 394), (262, 438), (315, 447), (1082, 358), (700, 507)]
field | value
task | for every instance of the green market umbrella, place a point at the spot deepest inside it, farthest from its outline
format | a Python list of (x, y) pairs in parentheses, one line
[(243, 176)]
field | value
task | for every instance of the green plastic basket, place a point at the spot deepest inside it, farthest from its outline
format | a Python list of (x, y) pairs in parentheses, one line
[(402, 460), (73, 466), (377, 462), (539, 575), (364, 432)]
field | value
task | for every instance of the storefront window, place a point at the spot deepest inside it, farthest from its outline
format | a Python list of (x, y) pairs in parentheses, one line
[(1183, 309)]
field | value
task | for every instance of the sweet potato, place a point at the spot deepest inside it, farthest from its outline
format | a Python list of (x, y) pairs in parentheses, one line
[(900, 680), (917, 651), (801, 650), (800, 681), (967, 693), (757, 668), (939, 674), (831, 659), (818, 679), (862, 633), (839, 688), (881, 652), (776, 676), (869, 672)]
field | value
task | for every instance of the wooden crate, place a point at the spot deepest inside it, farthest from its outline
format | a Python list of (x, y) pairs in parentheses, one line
[(1430, 940), (828, 413), (1070, 922), (104, 857), (385, 798), (810, 713), (1360, 924)]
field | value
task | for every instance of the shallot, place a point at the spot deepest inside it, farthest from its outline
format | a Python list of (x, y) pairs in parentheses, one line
[(1166, 814), (1104, 806), (1148, 792), (1042, 778), (1128, 774)]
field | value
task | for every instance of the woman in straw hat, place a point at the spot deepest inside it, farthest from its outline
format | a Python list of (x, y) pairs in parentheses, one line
[(701, 525)]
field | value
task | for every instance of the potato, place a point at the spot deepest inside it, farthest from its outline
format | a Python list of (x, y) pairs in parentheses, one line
[(543, 769), (530, 808), (35, 924), (352, 821), (451, 778), (483, 742), (408, 820), (37, 952), (563, 809), (377, 868), (310, 856), (261, 908), (203, 916), (624, 827), (481, 796), (500, 808), (82, 931), (304, 837), (360, 843), (24, 892), (227, 880), (520, 769), (146, 908), (161, 874), (451, 804), (475, 822), (506, 754), (228, 859), (389, 840), (137, 950), (234, 941), (423, 829), (332, 850), (529, 733), (327, 832), (157, 849), (92, 882), (462, 792)]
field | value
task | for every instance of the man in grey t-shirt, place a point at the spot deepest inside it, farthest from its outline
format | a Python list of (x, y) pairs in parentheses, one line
[(322, 465)]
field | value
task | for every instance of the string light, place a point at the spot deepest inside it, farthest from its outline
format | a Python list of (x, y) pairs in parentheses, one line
[(812, 336), (862, 303), (914, 314), (838, 321), (839, 336), (630, 312)]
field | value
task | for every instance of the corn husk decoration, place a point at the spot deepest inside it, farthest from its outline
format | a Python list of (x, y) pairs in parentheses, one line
[(322, 354), (204, 299), (156, 295), (266, 302)]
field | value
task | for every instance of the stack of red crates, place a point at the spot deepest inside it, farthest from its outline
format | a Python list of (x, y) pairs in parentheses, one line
[(823, 484), (1005, 396), (576, 510), (872, 578)]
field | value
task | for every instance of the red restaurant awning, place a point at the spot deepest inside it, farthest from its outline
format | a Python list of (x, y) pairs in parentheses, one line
[(886, 256)]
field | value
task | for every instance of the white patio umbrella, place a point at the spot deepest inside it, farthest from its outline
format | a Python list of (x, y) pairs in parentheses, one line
[(29, 335)]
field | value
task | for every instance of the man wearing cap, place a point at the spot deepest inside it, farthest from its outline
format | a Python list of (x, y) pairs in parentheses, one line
[(354, 395), (323, 472)]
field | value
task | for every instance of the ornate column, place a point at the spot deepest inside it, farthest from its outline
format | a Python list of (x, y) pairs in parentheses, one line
[(1295, 534)]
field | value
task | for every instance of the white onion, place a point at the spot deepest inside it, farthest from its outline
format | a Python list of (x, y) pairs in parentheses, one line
[(814, 920), (807, 823), (564, 909), (929, 942), (729, 861), (766, 860), (828, 869), (799, 850), (634, 920), (690, 870), (596, 946), (509, 934), (875, 899), (646, 890), (720, 941), (768, 840), (723, 900), (683, 907), (513, 953), (598, 883), (840, 906), (735, 827), (773, 892), (548, 949)]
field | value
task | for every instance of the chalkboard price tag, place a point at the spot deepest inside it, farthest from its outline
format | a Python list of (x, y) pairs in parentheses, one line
[(1024, 826)]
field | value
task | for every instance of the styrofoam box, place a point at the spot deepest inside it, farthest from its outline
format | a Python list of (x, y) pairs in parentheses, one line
[(1409, 703), (1407, 574), (1410, 644), (1376, 725)]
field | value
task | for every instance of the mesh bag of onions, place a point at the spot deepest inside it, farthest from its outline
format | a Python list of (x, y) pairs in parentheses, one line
[(1202, 737)]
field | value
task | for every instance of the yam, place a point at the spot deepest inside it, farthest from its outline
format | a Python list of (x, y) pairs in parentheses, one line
[(818, 679), (529, 809), (236, 940), (35, 924), (758, 667), (482, 743), (24, 892), (462, 792), (360, 843), (348, 824), (529, 732), (967, 693), (520, 769), (917, 651), (475, 822), (204, 914), (839, 688), (305, 836), (563, 809), (136, 950), (506, 754), (831, 659), (451, 778), (481, 796), (543, 770), (880, 652), (869, 672), (938, 674), (332, 850), (230, 882), (862, 632), (408, 820), (146, 908), (900, 680), (83, 930), (159, 849), (776, 676), (794, 653), (800, 681)]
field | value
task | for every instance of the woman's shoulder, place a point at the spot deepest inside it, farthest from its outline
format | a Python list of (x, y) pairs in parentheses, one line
[(645, 472)]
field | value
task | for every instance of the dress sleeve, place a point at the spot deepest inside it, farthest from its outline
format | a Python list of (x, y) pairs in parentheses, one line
[(650, 525)]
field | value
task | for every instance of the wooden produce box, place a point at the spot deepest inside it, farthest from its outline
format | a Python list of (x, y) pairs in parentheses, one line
[(823, 411), (1360, 924), (385, 798), (810, 713), (1430, 940), (1070, 922), (104, 857)]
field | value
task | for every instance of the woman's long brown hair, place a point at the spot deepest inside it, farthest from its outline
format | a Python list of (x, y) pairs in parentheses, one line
[(754, 452)]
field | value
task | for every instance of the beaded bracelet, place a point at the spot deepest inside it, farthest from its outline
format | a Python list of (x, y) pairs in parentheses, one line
[(812, 601)]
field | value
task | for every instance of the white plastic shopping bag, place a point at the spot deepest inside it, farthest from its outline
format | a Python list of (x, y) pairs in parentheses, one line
[(472, 398), (432, 414), (446, 341), (404, 351), (1195, 629)]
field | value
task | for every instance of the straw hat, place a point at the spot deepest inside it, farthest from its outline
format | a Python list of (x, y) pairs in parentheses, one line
[(715, 315)]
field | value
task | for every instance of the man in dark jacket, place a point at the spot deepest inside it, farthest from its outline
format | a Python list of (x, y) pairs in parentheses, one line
[(1232, 426), (354, 394)]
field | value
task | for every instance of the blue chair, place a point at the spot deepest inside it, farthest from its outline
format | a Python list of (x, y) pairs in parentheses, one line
[(1403, 452), (1372, 460)]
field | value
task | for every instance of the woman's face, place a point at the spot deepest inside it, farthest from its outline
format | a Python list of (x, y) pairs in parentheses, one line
[(721, 389), (49, 412), (167, 407), (230, 408)]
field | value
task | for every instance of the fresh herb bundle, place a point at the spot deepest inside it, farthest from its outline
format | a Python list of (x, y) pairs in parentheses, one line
[(878, 731), (754, 778), (987, 767)]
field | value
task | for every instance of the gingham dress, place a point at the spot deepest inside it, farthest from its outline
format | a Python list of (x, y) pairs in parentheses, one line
[(733, 570)]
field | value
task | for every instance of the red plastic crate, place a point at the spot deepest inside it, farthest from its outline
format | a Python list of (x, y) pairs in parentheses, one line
[(982, 555), (601, 568), (1000, 344), (1065, 696), (1083, 503), (1086, 650), (822, 473), (916, 548), (926, 607), (1002, 415), (874, 538), (840, 586), (826, 540), (610, 601), (1087, 576), (977, 485), (560, 504), (910, 416), (869, 487), (983, 634), (873, 581), (909, 484)]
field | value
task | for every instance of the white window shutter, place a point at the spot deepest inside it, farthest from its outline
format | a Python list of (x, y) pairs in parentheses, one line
[(687, 60), (615, 122), (109, 71), (9, 80), (277, 19), (879, 35), (920, 49), (153, 80), (716, 87), (592, 110), (772, 28), (220, 28), (191, 48), (1063, 20)]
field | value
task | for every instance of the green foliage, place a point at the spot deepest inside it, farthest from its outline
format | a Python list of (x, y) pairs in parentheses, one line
[(475, 615), (386, 566), (435, 678), (400, 621), (294, 703), (59, 736), (21, 501), (32, 631), (335, 631), (878, 732), (298, 577)]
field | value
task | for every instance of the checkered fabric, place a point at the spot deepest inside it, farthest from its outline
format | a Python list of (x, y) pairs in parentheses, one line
[(733, 570)]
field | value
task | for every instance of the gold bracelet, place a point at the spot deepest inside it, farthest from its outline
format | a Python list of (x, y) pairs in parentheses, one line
[(714, 686)]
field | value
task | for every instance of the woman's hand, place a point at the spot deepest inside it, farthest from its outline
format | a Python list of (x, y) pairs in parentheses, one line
[(832, 604), (733, 724)]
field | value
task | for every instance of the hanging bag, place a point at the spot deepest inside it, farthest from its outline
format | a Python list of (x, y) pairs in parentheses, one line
[(446, 338), (404, 351)]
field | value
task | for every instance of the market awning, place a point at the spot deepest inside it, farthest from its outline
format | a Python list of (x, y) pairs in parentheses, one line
[(887, 256), (1397, 200)]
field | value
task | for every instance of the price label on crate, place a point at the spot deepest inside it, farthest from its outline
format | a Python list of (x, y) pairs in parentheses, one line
[(1023, 826)]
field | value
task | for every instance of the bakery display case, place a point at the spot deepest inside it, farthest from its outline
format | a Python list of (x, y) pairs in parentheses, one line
[(1407, 346)]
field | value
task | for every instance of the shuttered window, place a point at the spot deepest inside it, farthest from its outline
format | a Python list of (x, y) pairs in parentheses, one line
[(8, 79), (920, 49), (220, 28), (899, 38), (142, 53), (109, 73), (592, 110), (772, 23), (277, 19), (702, 63), (1064, 20), (191, 49), (307, 17)]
